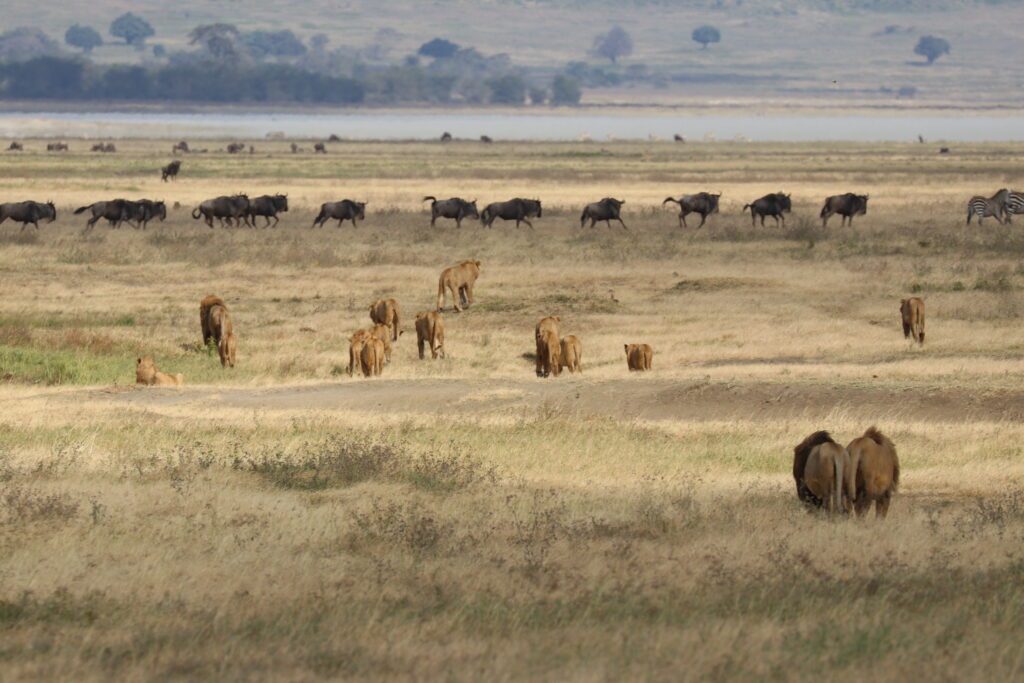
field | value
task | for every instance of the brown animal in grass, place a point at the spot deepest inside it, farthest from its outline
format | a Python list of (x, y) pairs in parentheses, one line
[(227, 349), (355, 349), (549, 349), (572, 353), (552, 324), (823, 473), (912, 312), (877, 471), (430, 330), (147, 374), (385, 311), (218, 328), (459, 280), (383, 333), (638, 356), (372, 357)]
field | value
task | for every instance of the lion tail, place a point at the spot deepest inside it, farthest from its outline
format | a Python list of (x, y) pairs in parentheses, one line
[(394, 329), (440, 293), (82, 209)]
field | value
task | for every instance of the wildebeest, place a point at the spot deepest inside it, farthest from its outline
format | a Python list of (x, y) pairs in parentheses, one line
[(678, 138), (994, 206), (446, 137), (518, 210), (15, 146), (774, 205), (114, 210), (344, 210), (57, 147), (320, 148), (103, 147), (702, 203), (606, 210), (846, 205), (455, 207), (181, 146), (170, 171), (267, 206), (235, 147), (28, 212), (333, 137), (145, 210), (486, 139), (225, 209)]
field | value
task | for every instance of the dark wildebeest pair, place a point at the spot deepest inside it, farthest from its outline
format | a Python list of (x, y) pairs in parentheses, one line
[(235, 147), (103, 147), (180, 147), (57, 147), (455, 207), (774, 205), (170, 171), (606, 210), (118, 211), (702, 203), (15, 146), (519, 210), (267, 206), (28, 212), (341, 211), (227, 210), (846, 205)]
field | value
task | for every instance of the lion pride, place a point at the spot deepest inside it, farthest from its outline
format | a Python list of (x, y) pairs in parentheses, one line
[(218, 328), (638, 356), (372, 357), (385, 312), (552, 324), (147, 374), (572, 353), (430, 330), (912, 312), (459, 280)]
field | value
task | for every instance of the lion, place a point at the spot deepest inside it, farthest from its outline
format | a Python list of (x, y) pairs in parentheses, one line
[(383, 332), (572, 353), (218, 328), (147, 374), (459, 280), (912, 312), (638, 356), (372, 357), (430, 329), (552, 324), (549, 352), (227, 349), (355, 349), (385, 311), (823, 473), (876, 467)]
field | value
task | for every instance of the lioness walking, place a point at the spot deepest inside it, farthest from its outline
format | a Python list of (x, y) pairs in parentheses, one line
[(638, 356), (218, 328), (912, 313), (430, 330)]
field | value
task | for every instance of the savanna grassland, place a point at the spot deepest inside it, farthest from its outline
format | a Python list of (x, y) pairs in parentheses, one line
[(462, 519)]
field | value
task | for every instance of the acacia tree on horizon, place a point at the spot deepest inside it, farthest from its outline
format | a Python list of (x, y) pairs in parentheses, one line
[(614, 44)]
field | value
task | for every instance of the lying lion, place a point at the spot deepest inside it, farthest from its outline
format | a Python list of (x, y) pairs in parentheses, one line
[(147, 374), (638, 356)]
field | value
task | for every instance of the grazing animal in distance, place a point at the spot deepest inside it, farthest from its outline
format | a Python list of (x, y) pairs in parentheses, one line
[(459, 281), (775, 205), (823, 473), (430, 330), (320, 148), (572, 353), (28, 212), (994, 206), (876, 469), (235, 147), (446, 137), (519, 210), (547, 332), (57, 147), (486, 139), (15, 146), (638, 356), (170, 171), (181, 146), (944, 150), (456, 208), (103, 147), (385, 312), (912, 314), (147, 374), (679, 138), (343, 211), (607, 210), (267, 206), (846, 205), (703, 203)]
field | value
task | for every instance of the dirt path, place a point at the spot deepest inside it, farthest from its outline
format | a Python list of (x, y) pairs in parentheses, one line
[(633, 398)]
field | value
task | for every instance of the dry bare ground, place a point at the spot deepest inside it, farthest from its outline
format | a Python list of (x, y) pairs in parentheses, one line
[(462, 519)]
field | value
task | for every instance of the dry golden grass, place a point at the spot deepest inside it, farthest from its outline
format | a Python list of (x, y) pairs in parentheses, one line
[(463, 519)]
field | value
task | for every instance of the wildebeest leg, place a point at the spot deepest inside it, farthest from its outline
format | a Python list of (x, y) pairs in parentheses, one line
[(704, 217), (783, 217), (623, 225), (527, 221), (682, 219)]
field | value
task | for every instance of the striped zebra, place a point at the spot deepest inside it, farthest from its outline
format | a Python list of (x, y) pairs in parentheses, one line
[(982, 207), (1014, 204)]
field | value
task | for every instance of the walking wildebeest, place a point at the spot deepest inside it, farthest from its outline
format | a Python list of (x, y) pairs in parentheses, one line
[(170, 171), (114, 210), (15, 146), (455, 207), (703, 203), (446, 137), (225, 209), (487, 139), (846, 205), (344, 210), (181, 146), (57, 147), (774, 205), (320, 148), (28, 212), (267, 206), (143, 211), (103, 147), (518, 210), (235, 147), (606, 210)]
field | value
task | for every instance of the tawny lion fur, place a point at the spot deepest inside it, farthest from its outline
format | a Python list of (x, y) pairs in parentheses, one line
[(912, 313), (372, 357), (638, 356), (550, 351), (459, 280), (147, 374), (385, 312), (877, 470), (430, 330), (572, 353), (355, 349), (823, 473), (552, 324)]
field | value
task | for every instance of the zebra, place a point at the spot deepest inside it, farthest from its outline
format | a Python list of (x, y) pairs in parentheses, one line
[(1014, 204), (994, 206)]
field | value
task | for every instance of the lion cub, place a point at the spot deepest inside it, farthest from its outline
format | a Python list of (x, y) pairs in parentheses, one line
[(638, 356), (147, 374)]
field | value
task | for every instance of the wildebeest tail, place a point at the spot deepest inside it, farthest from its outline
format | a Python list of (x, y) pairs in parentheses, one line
[(824, 210), (745, 207), (196, 213), (81, 209), (671, 199), (429, 198)]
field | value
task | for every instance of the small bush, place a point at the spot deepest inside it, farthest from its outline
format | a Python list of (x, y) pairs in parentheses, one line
[(20, 504)]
